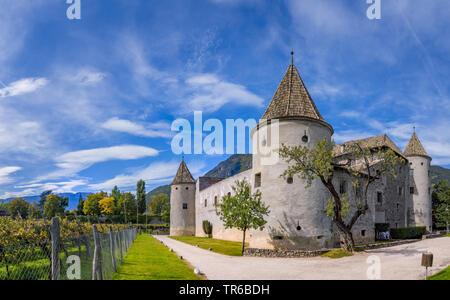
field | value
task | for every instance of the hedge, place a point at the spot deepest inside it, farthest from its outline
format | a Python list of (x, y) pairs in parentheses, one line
[(408, 233)]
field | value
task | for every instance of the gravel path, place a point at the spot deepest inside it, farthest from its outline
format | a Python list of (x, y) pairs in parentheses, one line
[(399, 262)]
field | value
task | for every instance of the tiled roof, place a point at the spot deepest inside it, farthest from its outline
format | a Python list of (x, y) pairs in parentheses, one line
[(372, 142), (183, 175), (415, 147), (292, 99)]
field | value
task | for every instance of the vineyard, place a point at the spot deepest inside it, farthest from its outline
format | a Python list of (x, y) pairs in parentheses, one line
[(36, 250)]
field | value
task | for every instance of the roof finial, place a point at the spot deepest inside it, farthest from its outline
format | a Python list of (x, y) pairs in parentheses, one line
[(414, 128), (182, 158), (292, 57)]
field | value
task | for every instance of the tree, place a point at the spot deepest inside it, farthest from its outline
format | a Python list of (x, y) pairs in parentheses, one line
[(140, 196), (35, 211), (116, 193), (92, 204), (159, 204), (244, 210), (107, 206), (364, 164), (19, 208), (80, 206), (127, 205), (44, 196), (441, 205), (55, 205)]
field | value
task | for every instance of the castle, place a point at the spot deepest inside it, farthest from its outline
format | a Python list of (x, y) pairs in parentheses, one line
[(297, 218)]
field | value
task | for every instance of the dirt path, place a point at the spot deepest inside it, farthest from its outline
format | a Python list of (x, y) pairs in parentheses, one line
[(400, 262)]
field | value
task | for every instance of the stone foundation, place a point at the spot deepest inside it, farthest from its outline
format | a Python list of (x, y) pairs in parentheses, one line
[(282, 253)]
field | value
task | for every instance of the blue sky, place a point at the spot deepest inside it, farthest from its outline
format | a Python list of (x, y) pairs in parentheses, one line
[(87, 104)]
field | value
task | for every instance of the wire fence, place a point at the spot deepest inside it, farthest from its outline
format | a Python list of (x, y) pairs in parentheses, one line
[(95, 256)]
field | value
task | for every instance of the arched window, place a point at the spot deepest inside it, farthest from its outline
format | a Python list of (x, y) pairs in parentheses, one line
[(206, 202)]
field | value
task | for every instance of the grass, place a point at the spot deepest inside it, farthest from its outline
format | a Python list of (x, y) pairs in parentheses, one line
[(444, 275), (148, 259), (218, 246), (336, 253), (447, 235)]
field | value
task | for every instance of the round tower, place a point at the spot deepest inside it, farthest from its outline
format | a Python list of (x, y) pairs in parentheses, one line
[(420, 206), (182, 203), (297, 219)]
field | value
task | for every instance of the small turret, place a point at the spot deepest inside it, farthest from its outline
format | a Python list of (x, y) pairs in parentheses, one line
[(182, 203), (420, 208)]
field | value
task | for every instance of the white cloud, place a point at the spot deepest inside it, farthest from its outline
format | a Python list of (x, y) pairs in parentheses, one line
[(210, 93), (73, 162), (156, 173), (5, 173), (160, 129), (89, 77), (23, 86)]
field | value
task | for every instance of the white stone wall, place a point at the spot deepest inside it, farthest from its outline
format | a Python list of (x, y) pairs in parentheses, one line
[(208, 212)]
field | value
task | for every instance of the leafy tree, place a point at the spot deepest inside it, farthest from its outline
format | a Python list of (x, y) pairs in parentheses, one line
[(19, 208), (92, 204), (3, 205), (107, 206), (127, 204), (35, 211), (441, 205), (116, 194), (55, 205), (80, 206), (140, 195), (159, 204), (364, 164), (44, 196), (244, 210)]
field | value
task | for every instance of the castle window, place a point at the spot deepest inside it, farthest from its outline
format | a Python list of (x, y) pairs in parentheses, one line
[(411, 190), (305, 139), (206, 202), (411, 172), (400, 190), (363, 233), (229, 194), (343, 187), (185, 206), (264, 143), (176, 188), (290, 180), (421, 164), (380, 198), (215, 201), (258, 180), (187, 188)]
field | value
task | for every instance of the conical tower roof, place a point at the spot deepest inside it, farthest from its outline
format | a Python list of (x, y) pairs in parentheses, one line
[(293, 101), (183, 175), (415, 148)]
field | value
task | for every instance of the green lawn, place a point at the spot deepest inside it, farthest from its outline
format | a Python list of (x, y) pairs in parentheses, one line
[(447, 235), (148, 259), (336, 253), (218, 246), (444, 275)]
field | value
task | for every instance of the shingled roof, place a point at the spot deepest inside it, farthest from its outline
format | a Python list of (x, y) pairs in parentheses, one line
[(371, 142), (415, 148), (183, 175), (292, 99)]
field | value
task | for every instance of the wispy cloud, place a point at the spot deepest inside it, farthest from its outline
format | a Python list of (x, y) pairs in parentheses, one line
[(161, 129), (23, 86), (155, 173), (73, 162), (5, 173), (210, 93)]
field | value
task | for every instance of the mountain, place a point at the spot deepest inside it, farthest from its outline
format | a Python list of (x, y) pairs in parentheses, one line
[(439, 173), (235, 164), (164, 189), (73, 198)]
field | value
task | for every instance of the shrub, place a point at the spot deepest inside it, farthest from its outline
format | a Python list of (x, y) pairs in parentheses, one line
[(207, 228), (408, 233)]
